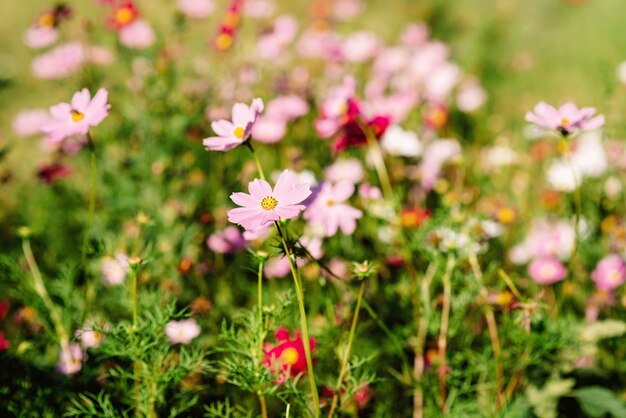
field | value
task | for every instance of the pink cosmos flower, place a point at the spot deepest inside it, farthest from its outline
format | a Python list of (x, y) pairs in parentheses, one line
[(264, 205), (547, 270), (76, 118), (288, 358), (345, 170), (269, 130), (29, 122), (272, 44), (114, 269), (70, 359), (566, 119), (329, 210), (88, 337), (40, 36), (183, 331), (610, 273), (62, 61), (228, 241), (137, 35), (196, 9), (232, 134), (272, 126), (361, 46)]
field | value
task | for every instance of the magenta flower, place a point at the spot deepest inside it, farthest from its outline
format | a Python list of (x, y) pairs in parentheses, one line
[(264, 205), (232, 134), (566, 119), (610, 273), (330, 211), (76, 118), (547, 270)]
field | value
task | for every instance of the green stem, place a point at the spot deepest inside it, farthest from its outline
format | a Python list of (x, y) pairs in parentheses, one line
[(577, 199), (256, 160), (40, 288), (443, 331), (346, 356), (260, 302), (133, 293), (303, 322), (90, 216)]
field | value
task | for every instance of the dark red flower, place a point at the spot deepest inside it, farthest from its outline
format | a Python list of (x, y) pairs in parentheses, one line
[(352, 134), (4, 344), (53, 172)]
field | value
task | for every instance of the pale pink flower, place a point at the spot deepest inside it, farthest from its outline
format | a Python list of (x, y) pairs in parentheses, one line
[(368, 192), (259, 9), (277, 267), (88, 337), (70, 359), (436, 155), (345, 170), (62, 61), (471, 97), (29, 122), (547, 270), (269, 130), (566, 119), (228, 241), (196, 9), (545, 239), (415, 34), (40, 36), (330, 210), (264, 205), (288, 108), (137, 35), (232, 134), (114, 269), (610, 273), (272, 44), (183, 331), (347, 9), (76, 118), (361, 46), (100, 55)]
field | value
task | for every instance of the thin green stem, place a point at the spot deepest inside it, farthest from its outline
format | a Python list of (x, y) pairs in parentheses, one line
[(303, 321), (577, 199), (256, 160), (90, 216), (133, 294), (260, 302), (346, 356), (40, 288), (443, 331)]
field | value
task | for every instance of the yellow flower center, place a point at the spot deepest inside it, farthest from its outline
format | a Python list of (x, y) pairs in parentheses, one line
[(614, 277), (564, 122), (330, 202), (239, 131), (77, 116), (223, 41), (290, 356), (506, 215), (46, 20), (269, 203), (124, 16)]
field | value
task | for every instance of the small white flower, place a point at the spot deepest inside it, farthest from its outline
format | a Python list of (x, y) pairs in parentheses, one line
[(401, 143)]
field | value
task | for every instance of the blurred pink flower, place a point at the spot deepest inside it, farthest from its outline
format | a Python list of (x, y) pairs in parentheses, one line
[(269, 130), (361, 46), (368, 192), (228, 241), (40, 36), (436, 154), (471, 97), (29, 122), (88, 337), (545, 239), (547, 270), (114, 269), (196, 9), (183, 331), (259, 9), (347, 9), (345, 170), (232, 134), (566, 119), (70, 359), (137, 35), (287, 108), (62, 61), (330, 210), (271, 44), (50, 173), (76, 118), (610, 273), (264, 205), (276, 267), (100, 55)]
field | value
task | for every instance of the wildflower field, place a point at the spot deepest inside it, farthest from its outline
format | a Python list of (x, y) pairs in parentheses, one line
[(323, 208)]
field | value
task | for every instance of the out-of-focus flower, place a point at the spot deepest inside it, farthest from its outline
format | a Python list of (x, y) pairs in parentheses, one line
[(228, 241), (368, 192), (201, 305), (414, 217), (76, 118), (361, 46), (228, 27), (29, 122), (62, 61), (436, 155), (44, 31), (547, 270), (4, 343), (349, 169), (123, 13), (435, 116), (610, 273), (196, 9), (51, 173), (70, 359), (399, 142), (264, 205), (88, 337), (260, 9), (471, 97), (330, 210), (621, 72), (288, 358), (114, 269), (353, 133), (271, 44), (232, 134), (566, 119), (137, 35), (563, 176), (183, 331), (545, 239), (347, 9), (498, 156)]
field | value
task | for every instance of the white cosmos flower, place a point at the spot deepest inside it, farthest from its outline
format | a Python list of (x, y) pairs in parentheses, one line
[(401, 143)]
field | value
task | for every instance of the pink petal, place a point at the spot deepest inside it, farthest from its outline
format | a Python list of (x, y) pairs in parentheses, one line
[(217, 143), (286, 181), (81, 100), (244, 199), (594, 123), (223, 127), (342, 191), (259, 189), (289, 212), (61, 111), (241, 115)]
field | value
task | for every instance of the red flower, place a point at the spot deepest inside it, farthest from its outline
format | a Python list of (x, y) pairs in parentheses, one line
[(352, 133), (124, 13), (4, 344), (53, 172), (287, 358)]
